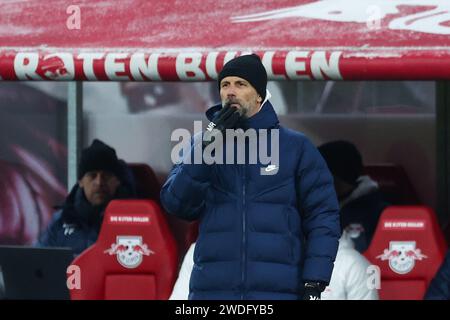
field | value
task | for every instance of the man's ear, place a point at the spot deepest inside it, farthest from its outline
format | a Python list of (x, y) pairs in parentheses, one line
[(80, 184), (259, 99)]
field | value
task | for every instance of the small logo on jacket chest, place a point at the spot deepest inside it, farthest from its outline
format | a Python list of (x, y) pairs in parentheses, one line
[(69, 228), (271, 169)]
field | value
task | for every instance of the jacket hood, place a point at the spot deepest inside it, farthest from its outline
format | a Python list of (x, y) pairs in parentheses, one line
[(365, 186), (345, 242)]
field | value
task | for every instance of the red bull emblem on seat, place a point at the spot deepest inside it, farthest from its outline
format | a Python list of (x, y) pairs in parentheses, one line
[(402, 256), (129, 251)]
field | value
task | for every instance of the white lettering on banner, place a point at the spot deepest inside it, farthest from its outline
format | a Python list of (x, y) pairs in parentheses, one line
[(113, 67), (229, 56), (298, 65), (188, 66), (25, 65), (295, 65), (427, 21), (267, 61), (140, 68), (211, 60), (245, 53), (137, 219), (88, 63), (320, 66)]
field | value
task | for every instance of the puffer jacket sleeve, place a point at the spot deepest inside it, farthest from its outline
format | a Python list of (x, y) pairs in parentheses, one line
[(319, 209), (439, 288), (183, 194)]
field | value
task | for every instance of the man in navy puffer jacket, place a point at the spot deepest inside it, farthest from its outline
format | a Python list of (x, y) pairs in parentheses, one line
[(266, 231)]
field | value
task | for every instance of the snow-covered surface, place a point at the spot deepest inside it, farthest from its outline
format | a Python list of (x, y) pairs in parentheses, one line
[(167, 24), (397, 39)]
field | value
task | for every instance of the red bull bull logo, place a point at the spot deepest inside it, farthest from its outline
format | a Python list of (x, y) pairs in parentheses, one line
[(402, 256), (129, 251)]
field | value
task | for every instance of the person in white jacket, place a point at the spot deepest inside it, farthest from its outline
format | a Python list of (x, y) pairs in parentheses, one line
[(349, 280)]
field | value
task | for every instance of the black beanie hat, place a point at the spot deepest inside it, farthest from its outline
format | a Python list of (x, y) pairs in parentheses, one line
[(343, 159), (248, 67), (99, 156)]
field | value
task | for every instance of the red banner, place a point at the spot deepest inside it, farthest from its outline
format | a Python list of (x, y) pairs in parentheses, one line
[(138, 40), (198, 66)]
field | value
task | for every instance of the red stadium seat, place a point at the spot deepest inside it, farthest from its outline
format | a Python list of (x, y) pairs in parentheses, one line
[(393, 182), (135, 256), (148, 187), (408, 247)]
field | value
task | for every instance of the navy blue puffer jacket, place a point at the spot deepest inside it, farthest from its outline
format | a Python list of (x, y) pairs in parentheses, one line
[(260, 236), (439, 288)]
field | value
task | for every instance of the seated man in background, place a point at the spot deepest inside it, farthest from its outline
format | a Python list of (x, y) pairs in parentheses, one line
[(102, 177), (349, 280), (439, 288), (360, 199)]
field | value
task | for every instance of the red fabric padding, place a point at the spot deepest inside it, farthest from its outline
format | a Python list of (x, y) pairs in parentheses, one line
[(408, 247), (137, 229), (395, 290), (130, 287)]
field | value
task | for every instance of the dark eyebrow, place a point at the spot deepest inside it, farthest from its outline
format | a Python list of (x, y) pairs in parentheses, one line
[(242, 81)]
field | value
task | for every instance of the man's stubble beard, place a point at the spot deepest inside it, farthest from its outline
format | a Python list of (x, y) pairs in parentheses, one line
[(243, 109)]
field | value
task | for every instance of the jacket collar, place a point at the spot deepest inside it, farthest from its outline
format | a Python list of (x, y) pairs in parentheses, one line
[(78, 210), (265, 118)]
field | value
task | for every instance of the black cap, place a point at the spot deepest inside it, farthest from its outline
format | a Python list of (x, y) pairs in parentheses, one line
[(343, 159), (99, 156), (248, 67)]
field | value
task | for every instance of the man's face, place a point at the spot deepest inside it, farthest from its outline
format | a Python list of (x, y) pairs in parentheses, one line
[(99, 186), (241, 94)]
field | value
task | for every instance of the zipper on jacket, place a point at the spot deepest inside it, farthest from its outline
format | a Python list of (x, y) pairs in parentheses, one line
[(244, 242)]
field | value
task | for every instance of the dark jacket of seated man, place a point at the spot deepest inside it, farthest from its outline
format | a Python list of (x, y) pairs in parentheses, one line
[(102, 177), (360, 198)]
